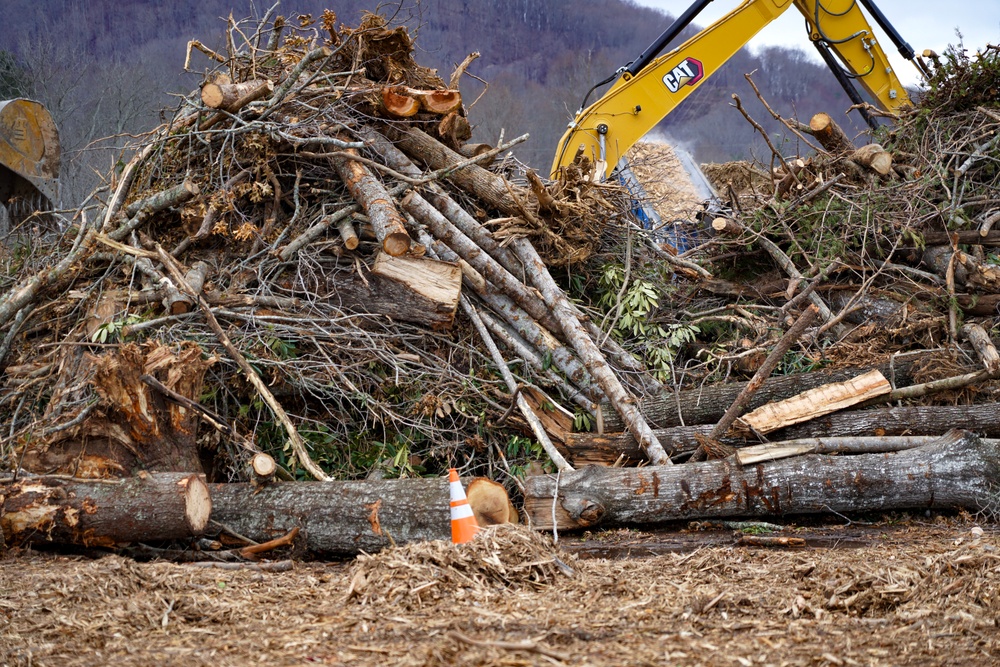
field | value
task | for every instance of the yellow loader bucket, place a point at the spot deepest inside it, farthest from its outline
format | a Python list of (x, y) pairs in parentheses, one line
[(29, 158)]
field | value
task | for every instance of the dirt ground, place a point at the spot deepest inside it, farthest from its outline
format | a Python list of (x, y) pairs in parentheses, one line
[(898, 592)]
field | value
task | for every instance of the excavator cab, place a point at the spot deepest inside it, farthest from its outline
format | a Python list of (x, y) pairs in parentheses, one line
[(29, 159)]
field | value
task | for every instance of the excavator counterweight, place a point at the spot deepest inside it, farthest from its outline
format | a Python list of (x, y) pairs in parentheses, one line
[(29, 158)]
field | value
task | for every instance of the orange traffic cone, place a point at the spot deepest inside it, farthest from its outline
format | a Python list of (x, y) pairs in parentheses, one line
[(463, 521)]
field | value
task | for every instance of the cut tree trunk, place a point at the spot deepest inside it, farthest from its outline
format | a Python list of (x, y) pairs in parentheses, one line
[(830, 135), (150, 507), (228, 95), (429, 279), (582, 449), (958, 471), (385, 295), (397, 103), (874, 157), (338, 518), (387, 222)]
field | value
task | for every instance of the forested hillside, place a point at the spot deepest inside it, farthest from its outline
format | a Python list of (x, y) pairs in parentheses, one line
[(106, 68)]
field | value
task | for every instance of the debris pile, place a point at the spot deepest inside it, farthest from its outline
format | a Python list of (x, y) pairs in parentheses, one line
[(305, 260), (309, 260), (500, 559)]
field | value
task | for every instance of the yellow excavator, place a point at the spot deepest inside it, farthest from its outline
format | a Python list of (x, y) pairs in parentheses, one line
[(651, 86), (29, 159)]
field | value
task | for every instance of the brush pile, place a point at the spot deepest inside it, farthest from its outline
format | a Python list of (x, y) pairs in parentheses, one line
[(310, 260), (280, 267)]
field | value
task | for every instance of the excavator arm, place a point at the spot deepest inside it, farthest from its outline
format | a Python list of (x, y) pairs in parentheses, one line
[(651, 87)]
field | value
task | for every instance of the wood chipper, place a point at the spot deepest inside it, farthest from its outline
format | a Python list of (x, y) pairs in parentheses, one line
[(29, 159)]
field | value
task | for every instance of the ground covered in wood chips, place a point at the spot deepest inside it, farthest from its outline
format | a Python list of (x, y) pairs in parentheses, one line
[(897, 592)]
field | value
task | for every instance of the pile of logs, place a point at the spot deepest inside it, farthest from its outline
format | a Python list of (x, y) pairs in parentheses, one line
[(309, 271)]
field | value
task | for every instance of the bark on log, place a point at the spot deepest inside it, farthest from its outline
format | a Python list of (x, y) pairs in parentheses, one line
[(829, 134), (150, 507), (582, 449), (701, 406), (368, 192), (623, 402), (228, 95), (959, 471), (338, 518), (475, 150), (347, 234), (159, 201), (495, 191), (874, 157), (454, 130), (177, 303)]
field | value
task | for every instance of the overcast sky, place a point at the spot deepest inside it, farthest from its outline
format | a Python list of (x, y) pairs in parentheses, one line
[(922, 23)]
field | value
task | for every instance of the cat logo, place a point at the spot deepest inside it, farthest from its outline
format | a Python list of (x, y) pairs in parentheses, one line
[(688, 73)]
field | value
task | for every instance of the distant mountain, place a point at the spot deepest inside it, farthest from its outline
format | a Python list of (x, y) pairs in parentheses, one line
[(107, 66)]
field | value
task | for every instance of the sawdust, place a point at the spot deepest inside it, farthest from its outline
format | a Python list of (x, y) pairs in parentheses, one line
[(920, 594), (670, 190)]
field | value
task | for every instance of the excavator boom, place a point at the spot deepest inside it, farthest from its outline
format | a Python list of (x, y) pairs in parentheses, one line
[(29, 158), (652, 86)]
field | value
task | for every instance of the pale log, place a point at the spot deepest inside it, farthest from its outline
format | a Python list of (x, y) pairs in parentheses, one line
[(583, 449), (61, 510), (495, 191), (708, 404), (623, 402), (177, 303), (368, 192), (384, 295), (957, 471), (264, 468), (228, 95), (875, 444), (159, 201), (490, 503), (347, 233), (829, 134), (983, 345), (874, 157), (813, 403), (429, 279)]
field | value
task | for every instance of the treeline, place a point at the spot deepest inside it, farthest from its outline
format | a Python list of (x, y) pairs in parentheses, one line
[(107, 68)]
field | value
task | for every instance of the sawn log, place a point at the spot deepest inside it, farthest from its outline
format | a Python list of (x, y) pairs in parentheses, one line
[(338, 518), (959, 471), (148, 507)]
